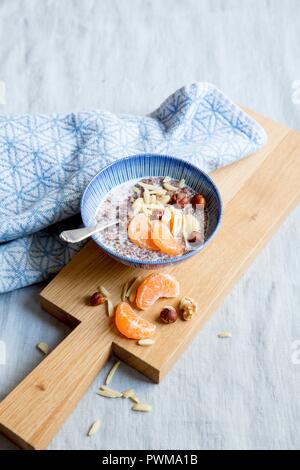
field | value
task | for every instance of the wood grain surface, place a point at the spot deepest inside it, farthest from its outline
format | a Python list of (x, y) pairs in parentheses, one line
[(33, 412)]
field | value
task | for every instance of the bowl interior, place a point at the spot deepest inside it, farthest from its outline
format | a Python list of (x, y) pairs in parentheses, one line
[(141, 166)]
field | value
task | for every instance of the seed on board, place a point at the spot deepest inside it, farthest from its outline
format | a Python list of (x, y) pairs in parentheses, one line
[(110, 308), (112, 373), (141, 407), (146, 342), (43, 347), (104, 291), (224, 334), (94, 428)]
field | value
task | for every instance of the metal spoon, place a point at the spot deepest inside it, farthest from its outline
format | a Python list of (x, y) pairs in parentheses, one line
[(79, 234)]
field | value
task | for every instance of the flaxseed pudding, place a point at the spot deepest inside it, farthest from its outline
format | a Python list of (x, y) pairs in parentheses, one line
[(158, 218)]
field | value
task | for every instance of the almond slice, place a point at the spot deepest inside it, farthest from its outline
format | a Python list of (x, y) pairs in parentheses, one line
[(124, 291), (110, 308), (43, 347), (146, 342), (104, 291), (109, 393), (130, 393), (112, 372), (141, 407), (94, 428), (116, 393), (158, 192), (224, 334), (170, 187), (131, 293), (137, 206), (165, 199), (149, 186)]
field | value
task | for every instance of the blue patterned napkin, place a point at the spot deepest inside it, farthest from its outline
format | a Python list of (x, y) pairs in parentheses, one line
[(46, 162)]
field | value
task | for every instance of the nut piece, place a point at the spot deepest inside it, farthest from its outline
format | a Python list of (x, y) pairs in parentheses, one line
[(168, 314), (198, 200), (97, 299), (188, 306), (43, 347), (146, 342), (112, 372), (94, 428), (141, 407), (224, 334)]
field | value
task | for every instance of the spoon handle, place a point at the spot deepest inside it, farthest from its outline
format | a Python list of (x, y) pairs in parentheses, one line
[(79, 234)]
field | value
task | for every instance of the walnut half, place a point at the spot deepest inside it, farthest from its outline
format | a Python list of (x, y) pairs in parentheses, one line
[(188, 306)]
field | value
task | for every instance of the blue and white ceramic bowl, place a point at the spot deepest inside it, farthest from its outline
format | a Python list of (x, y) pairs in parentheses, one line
[(142, 166)]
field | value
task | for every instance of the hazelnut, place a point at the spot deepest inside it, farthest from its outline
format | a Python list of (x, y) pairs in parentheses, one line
[(168, 314), (198, 200), (173, 199), (97, 299), (195, 237)]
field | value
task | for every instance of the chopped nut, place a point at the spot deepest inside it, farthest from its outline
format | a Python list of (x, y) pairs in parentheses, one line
[(97, 299), (131, 395), (43, 347), (224, 334), (169, 187), (137, 206), (158, 192), (168, 314), (135, 189), (149, 186), (124, 292), (146, 342), (188, 306), (108, 392), (165, 199), (131, 293), (94, 428), (141, 407), (104, 291), (112, 372), (182, 183), (146, 196), (110, 308)]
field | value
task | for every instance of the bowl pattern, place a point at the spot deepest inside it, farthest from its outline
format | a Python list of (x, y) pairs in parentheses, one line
[(141, 166)]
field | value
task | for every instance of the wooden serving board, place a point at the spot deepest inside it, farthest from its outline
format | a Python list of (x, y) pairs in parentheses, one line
[(258, 192)]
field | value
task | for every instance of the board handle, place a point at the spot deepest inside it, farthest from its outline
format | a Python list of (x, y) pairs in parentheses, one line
[(32, 413)]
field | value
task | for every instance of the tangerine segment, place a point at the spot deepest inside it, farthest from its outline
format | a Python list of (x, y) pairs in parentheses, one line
[(139, 232), (132, 325), (164, 240), (156, 285)]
